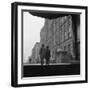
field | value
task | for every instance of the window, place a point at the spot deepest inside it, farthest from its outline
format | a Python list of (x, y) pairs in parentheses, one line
[(69, 48), (70, 28), (62, 33), (66, 31), (60, 36), (64, 48), (57, 37), (60, 22)]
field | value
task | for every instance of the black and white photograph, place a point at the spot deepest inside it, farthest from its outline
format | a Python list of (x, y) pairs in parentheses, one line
[(50, 44)]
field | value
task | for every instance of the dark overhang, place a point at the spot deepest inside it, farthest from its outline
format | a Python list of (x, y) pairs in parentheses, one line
[(50, 14)]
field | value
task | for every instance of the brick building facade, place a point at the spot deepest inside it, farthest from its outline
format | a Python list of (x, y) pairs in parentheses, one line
[(61, 35)]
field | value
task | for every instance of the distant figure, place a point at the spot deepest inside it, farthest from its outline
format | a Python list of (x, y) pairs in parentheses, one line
[(42, 54), (30, 60), (47, 55)]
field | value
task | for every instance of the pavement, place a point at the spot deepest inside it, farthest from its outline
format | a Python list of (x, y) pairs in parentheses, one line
[(68, 63)]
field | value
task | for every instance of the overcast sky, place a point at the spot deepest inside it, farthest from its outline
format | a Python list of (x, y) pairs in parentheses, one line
[(31, 32)]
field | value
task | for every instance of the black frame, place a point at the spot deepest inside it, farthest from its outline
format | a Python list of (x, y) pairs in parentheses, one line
[(14, 43)]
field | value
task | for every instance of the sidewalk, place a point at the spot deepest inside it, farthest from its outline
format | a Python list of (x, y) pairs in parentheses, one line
[(68, 63)]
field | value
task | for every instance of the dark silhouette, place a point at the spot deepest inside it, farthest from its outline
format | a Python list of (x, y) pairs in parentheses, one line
[(47, 55), (42, 54), (30, 59)]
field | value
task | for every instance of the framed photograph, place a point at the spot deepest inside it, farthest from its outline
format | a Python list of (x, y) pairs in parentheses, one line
[(49, 44)]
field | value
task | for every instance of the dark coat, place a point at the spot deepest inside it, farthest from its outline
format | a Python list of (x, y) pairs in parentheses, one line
[(42, 52), (47, 54)]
